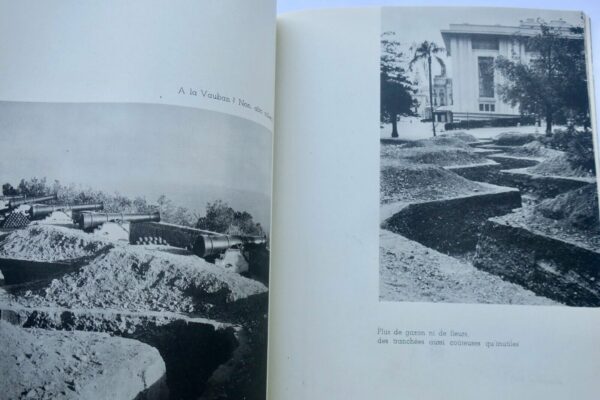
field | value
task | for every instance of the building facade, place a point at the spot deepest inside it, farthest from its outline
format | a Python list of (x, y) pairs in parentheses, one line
[(473, 50)]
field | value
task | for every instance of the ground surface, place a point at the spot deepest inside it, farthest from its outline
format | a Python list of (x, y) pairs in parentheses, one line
[(416, 168), (413, 183), (410, 271), (148, 292), (413, 129), (120, 276), (42, 364)]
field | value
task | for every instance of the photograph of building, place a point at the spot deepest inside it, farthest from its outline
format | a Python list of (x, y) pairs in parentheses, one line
[(472, 50), (488, 187)]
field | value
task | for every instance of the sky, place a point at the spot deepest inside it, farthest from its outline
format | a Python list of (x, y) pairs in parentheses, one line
[(191, 155)]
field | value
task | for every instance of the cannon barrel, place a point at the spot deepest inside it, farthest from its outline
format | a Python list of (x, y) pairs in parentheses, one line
[(30, 200), (42, 210), (211, 246), (90, 220)]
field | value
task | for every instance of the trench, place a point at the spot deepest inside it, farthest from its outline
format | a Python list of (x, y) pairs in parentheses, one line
[(192, 351), (462, 228), (452, 226)]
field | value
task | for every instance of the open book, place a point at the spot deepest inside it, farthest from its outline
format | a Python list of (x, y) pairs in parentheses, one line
[(203, 201)]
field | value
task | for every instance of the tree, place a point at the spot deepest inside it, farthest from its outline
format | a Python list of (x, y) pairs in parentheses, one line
[(220, 217), (428, 51), (554, 83), (396, 89), (9, 190)]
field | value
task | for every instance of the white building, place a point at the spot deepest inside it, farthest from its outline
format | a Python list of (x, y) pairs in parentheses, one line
[(473, 50)]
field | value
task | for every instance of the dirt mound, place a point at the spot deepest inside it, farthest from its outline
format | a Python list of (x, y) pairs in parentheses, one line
[(41, 364), (460, 135), (138, 278), (423, 182), (515, 138), (51, 243), (444, 157), (559, 165), (576, 208), (535, 149), (459, 141)]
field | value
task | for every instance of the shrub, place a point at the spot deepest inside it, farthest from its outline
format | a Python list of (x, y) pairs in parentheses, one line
[(579, 146), (498, 122), (220, 217)]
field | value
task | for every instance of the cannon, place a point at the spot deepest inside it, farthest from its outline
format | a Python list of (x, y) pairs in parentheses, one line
[(210, 246), (39, 211), (14, 203), (10, 218), (203, 243), (88, 220)]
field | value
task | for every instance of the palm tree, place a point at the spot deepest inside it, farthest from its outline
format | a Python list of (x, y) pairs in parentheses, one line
[(428, 51)]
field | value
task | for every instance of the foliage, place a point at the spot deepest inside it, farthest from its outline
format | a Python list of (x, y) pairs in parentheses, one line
[(396, 89), (554, 84), (220, 217), (9, 190), (579, 146), (496, 122), (429, 51)]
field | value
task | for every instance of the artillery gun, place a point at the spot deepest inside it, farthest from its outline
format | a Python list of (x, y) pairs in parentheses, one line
[(39, 211), (11, 218), (16, 201), (205, 244), (90, 220), (209, 246)]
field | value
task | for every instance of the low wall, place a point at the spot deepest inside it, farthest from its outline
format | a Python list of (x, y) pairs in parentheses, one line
[(549, 267), (478, 173), (508, 162), (192, 348), (543, 186), (451, 226)]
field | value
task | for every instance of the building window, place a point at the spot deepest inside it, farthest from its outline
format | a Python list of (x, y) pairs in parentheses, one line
[(480, 107), (486, 76), (492, 108), (485, 43)]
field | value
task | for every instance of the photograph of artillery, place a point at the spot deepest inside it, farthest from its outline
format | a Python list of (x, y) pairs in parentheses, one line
[(488, 190), (134, 252)]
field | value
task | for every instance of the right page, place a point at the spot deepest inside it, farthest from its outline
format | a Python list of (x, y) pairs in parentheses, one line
[(435, 225)]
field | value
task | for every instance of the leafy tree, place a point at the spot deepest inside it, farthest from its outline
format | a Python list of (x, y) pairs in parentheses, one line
[(396, 89), (9, 190), (554, 83), (220, 217), (428, 51), (33, 188)]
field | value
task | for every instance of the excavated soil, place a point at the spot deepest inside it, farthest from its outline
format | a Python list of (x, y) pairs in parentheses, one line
[(43, 364), (411, 183), (559, 165), (424, 199), (410, 271), (109, 274)]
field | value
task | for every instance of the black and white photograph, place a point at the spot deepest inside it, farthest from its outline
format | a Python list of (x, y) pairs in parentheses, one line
[(487, 169), (134, 252)]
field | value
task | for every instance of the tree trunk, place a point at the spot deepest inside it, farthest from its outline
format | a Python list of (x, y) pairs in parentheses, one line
[(431, 97), (395, 126), (548, 122)]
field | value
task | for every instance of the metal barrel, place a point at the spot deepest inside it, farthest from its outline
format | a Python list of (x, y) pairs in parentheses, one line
[(211, 246), (30, 200), (90, 220), (37, 211), (12, 197)]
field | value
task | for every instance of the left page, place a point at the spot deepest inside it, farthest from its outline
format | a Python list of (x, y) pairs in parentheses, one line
[(136, 169)]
